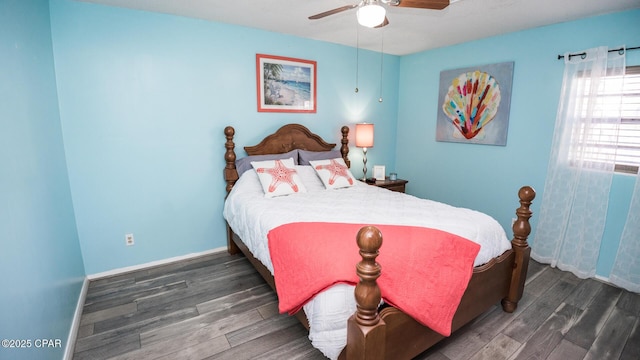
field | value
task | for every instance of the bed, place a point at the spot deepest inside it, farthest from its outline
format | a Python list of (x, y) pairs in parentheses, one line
[(374, 331)]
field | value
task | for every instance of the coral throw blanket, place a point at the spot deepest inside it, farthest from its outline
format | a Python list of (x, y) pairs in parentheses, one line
[(424, 271)]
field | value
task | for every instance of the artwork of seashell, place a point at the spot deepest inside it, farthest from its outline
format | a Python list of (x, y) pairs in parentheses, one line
[(471, 102)]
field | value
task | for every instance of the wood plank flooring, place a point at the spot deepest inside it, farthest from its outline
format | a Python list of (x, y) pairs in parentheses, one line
[(218, 307)]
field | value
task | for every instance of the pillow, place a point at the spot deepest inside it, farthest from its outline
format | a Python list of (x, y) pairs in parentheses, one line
[(334, 173), (309, 178), (278, 177), (307, 156), (244, 164)]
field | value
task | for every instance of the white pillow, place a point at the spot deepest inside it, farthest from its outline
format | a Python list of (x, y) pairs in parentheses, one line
[(334, 173), (278, 177)]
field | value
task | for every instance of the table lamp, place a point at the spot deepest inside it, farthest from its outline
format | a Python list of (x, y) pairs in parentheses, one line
[(364, 140)]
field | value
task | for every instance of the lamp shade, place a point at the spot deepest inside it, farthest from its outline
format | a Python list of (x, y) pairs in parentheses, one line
[(364, 135), (370, 15)]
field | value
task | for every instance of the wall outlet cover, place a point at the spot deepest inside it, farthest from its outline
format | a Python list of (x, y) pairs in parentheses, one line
[(129, 239)]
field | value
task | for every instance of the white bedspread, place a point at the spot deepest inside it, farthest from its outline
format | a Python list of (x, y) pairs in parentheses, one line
[(252, 216)]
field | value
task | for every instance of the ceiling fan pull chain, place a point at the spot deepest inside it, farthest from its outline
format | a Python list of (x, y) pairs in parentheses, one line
[(381, 62), (357, 54)]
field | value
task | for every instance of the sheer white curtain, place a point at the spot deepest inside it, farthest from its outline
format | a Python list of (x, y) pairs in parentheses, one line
[(626, 269), (576, 193)]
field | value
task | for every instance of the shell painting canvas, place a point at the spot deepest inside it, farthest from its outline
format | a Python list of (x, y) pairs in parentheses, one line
[(474, 104)]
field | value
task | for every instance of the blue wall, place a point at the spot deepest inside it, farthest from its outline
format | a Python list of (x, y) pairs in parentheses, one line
[(484, 177), (144, 99), (143, 105), (40, 260)]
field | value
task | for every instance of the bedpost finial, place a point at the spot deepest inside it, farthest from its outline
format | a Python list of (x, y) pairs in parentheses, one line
[(527, 194), (229, 131), (369, 239)]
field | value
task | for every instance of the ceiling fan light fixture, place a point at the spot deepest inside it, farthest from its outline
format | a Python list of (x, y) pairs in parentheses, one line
[(370, 15)]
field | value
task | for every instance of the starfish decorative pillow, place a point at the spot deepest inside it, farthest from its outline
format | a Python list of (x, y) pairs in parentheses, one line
[(278, 177), (334, 173)]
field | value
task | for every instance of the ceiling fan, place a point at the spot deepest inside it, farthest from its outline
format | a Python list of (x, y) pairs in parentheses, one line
[(372, 14)]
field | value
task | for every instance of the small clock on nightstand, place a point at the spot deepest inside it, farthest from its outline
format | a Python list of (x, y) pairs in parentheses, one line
[(398, 185)]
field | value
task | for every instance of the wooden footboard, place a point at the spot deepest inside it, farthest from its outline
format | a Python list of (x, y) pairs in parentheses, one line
[(392, 334)]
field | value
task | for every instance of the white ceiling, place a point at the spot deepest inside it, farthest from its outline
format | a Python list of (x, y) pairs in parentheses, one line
[(410, 30)]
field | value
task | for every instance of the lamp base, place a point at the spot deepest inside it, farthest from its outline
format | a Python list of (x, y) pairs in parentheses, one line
[(364, 161)]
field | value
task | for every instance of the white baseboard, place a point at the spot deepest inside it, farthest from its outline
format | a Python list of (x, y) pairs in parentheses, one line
[(75, 324), (154, 263)]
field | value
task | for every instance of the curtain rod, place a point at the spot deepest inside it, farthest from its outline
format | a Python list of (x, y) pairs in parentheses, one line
[(584, 53)]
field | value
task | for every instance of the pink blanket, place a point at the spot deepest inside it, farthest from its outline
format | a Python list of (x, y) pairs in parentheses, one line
[(424, 271)]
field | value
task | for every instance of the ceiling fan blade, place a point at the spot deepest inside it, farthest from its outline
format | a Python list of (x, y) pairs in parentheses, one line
[(334, 11), (384, 23), (424, 4)]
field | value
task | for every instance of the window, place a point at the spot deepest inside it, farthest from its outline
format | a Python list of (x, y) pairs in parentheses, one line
[(628, 155), (604, 142)]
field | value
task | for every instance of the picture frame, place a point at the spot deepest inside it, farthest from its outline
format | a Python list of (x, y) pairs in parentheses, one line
[(486, 120), (285, 84), (379, 172)]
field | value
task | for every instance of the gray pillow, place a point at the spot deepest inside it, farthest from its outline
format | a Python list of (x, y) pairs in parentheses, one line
[(306, 156), (244, 163)]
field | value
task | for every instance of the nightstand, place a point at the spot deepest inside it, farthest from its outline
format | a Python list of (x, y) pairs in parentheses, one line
[(393, 185)]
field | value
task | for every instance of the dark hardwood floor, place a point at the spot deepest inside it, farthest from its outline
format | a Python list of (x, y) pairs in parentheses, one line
[(218, 307)]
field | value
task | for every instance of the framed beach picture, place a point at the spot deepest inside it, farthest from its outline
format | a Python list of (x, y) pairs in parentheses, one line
[(285, 84)]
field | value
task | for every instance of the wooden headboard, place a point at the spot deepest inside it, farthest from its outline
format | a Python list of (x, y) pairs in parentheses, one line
[(287, 138)]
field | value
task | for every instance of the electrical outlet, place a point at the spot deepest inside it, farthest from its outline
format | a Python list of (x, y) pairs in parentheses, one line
[(128, 238)]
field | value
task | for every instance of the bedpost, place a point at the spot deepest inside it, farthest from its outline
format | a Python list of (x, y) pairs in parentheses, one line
[(230, 172), (366, 330), (521, 230), (344, 150), (230, 176)]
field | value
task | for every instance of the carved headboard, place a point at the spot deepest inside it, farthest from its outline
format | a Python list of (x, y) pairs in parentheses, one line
[(287, 138)]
